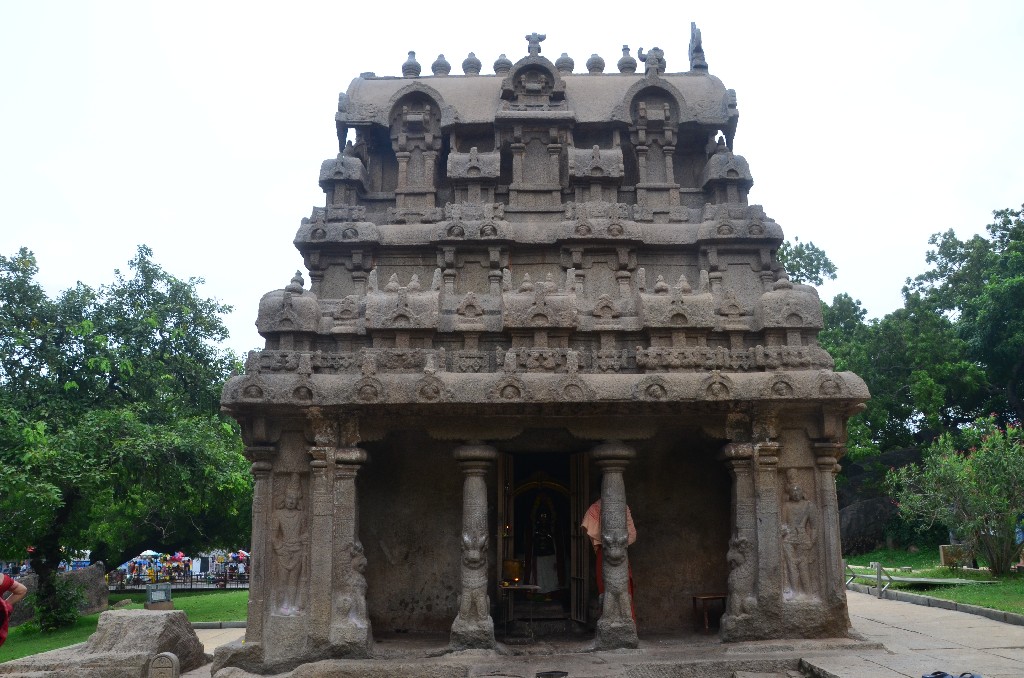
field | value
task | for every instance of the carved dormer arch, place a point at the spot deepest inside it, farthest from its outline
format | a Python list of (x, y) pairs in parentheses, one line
[(415, 113), (665, 90), (448, 114), (533, 84)]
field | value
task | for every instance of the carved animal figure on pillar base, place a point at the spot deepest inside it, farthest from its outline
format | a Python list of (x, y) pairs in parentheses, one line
[(351, 604), (475, 604), (616, 576), (741, 577)]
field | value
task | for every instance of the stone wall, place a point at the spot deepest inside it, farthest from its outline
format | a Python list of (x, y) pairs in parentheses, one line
[(678, 492), (410, 510)]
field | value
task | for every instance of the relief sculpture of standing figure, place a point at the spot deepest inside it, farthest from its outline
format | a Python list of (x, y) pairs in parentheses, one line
[(798, 525), (290, 540)]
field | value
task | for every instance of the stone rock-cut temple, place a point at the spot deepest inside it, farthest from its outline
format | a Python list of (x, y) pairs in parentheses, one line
[(528, 291)]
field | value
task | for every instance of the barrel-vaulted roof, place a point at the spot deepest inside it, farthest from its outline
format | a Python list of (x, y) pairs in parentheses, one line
[(594, 98)]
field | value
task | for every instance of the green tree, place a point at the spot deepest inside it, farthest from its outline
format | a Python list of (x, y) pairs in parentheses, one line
[(976, 491), (110, 436), (806, 262), (979, 284)]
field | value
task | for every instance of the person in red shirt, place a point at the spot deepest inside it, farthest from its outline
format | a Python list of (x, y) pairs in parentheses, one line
[(18, 591)]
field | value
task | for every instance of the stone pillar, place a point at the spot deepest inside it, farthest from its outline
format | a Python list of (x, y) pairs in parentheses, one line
[(473, 627), (403, 171), (615, 628), (769, 529), (670, 178), (429, 168), (321, 556), (261, 556), (826, 455), (742, 555), (350, 634)]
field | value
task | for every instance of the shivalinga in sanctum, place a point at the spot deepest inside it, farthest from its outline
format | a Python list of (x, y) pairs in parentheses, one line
[(529, 291)]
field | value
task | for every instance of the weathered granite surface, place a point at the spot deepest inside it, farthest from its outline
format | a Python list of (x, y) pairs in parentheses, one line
[(123, 645), (545, 264)]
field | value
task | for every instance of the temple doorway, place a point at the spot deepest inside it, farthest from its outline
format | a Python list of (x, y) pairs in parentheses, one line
[(541, 506)]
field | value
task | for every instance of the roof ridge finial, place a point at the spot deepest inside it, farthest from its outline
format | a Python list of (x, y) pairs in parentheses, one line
[(697, 61), (296, 284), (535, 39)]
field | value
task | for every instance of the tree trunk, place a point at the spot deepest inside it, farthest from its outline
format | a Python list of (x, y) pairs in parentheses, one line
[(45, 561), (1012, 395)]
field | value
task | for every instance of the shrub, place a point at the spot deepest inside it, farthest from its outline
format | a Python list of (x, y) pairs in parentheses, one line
[(978, 491)]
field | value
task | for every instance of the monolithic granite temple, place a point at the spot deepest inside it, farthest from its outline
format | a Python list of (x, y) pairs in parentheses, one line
[(528, 290)]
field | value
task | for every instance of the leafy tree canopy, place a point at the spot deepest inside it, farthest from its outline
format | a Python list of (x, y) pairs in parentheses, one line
[(979, 284), (806, 262), (110, 436)]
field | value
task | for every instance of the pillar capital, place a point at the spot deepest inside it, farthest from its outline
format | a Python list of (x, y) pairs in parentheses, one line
[(829, 450), (738, 452), (613, 452), (350, 455), (475, 451), (767, 453), (260, 454)]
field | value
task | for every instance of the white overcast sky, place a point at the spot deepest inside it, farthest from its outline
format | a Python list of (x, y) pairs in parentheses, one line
[(198, 128)]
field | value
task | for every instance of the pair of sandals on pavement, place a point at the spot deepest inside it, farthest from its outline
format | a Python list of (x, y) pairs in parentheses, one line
[(943, 674)]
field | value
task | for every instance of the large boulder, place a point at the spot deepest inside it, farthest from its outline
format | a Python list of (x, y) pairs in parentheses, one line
[(862, 524), (93, 581), (123, 645)]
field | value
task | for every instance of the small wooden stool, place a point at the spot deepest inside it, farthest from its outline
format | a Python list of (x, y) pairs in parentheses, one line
[(705, 599)]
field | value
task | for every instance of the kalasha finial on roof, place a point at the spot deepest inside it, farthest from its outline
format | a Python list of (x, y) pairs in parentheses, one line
[(502, 65), (440, 66), (697, 61), (565, 64), (627, 64), (411, 67), (471, 65), (295, 286), (535, 39)]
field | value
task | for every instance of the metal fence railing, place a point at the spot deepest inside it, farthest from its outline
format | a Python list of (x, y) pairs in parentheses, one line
[(119, 580)]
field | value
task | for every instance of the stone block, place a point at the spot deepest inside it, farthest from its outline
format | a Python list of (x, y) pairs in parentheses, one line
[(953, 555), (914, 598), (164, 665), (123, 646), (944, 604)]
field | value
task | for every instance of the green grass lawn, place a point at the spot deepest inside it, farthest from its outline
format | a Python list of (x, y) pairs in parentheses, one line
[(1006, 594), (200, 606)]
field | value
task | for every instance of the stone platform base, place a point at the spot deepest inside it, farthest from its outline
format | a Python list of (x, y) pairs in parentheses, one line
[(657, 657)]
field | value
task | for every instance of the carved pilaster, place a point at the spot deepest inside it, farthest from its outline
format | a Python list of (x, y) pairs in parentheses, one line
[(473, 627), (826, 456), (742, 555), (615, 628), (259, 580), (350, 632), (323, 431), (320, 556), (769, 544)]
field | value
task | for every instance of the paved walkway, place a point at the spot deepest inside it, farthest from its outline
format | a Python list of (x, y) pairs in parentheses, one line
[(921, 640), (900, 640)]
